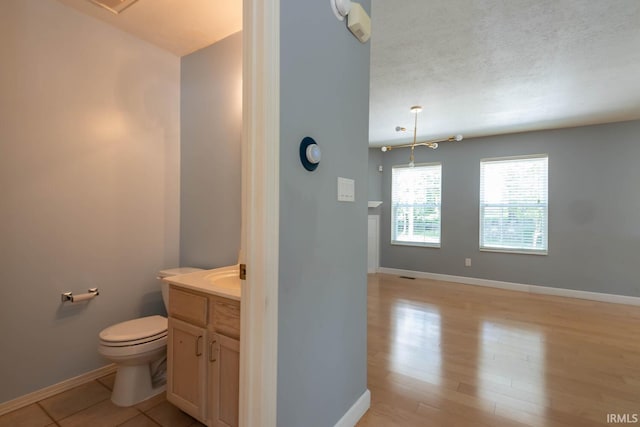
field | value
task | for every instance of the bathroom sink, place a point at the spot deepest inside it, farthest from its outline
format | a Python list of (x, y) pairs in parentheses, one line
[(225, 279)]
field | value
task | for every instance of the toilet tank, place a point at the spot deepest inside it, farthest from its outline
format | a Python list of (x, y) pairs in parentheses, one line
[(164, 286)]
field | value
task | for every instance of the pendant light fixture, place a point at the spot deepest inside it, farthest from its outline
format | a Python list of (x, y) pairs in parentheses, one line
[(433, 144)]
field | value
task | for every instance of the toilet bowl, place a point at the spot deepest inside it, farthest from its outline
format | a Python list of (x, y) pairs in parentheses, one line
[(138, 347)]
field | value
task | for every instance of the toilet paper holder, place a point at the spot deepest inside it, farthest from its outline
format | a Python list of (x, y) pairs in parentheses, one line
[(68, 296)]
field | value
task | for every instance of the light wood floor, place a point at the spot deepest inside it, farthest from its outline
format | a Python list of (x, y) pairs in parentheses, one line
[(446, 354)]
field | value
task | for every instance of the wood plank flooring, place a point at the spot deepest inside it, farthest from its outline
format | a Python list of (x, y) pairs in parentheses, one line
[(447, 354)]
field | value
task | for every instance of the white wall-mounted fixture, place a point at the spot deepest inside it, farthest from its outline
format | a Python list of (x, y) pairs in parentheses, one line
[(346, 189), (359, 23), (313, 154), (433, 144), (374, 203), (358, 20), (340, 8)]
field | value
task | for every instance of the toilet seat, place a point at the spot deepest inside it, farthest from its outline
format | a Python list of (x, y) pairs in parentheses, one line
[(133, 342), (116, 352), (135, 332)]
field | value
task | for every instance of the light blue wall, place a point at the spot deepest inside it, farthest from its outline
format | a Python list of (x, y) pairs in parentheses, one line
[(375, 176), (594, 200), (89, 180), (210, 145), (322, 352), (375, 179)]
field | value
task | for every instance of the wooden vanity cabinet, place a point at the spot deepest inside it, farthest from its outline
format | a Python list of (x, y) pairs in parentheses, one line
[(203, 356), (224, 381), (186, 368), (224, 368)]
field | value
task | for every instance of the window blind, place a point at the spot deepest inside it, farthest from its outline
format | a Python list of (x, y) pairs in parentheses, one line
[(514, 204), (415, 205)]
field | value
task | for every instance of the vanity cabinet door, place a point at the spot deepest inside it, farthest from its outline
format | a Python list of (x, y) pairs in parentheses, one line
[(224, 380), (187, 367)]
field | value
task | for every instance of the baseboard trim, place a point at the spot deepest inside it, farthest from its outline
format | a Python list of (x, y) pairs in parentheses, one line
[(54, 389), (533, 289), (353, 415)]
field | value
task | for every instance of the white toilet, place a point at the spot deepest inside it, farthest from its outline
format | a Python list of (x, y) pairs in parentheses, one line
[(139, 347)]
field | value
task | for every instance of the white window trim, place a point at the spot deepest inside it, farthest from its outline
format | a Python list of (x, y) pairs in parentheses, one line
[(514, 251), (417, 244), (518, 251), (420, 244)]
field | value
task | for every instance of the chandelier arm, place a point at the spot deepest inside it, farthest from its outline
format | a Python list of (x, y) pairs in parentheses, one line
[(433, 144), (423, 143)]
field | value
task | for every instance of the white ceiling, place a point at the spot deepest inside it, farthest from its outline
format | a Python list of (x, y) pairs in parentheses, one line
[(181, 27), (486, 67), (478, 67)]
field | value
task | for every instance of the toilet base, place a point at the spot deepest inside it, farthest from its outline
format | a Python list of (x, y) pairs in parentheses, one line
[(133, 385)]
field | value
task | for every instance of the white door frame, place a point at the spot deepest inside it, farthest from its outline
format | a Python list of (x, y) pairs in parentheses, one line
[(260, 212)]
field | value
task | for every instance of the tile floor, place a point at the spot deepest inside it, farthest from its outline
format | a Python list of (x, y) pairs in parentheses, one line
[(90, 405)]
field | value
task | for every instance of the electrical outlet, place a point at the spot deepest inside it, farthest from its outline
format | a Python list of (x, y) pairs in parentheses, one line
[(467, 262)]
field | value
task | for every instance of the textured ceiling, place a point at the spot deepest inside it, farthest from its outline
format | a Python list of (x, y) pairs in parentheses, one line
[(486, 67), (180, 27)]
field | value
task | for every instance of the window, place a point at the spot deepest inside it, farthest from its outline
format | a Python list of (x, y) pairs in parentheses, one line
[(513, 204), (415, 205)]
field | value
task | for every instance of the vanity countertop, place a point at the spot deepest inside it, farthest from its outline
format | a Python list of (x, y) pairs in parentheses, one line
[(224, 281)]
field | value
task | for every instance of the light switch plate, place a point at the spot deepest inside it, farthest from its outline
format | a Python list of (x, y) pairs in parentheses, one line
[(346, 190)]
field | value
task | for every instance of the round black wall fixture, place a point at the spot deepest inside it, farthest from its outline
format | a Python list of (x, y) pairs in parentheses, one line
[(309, 153)]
